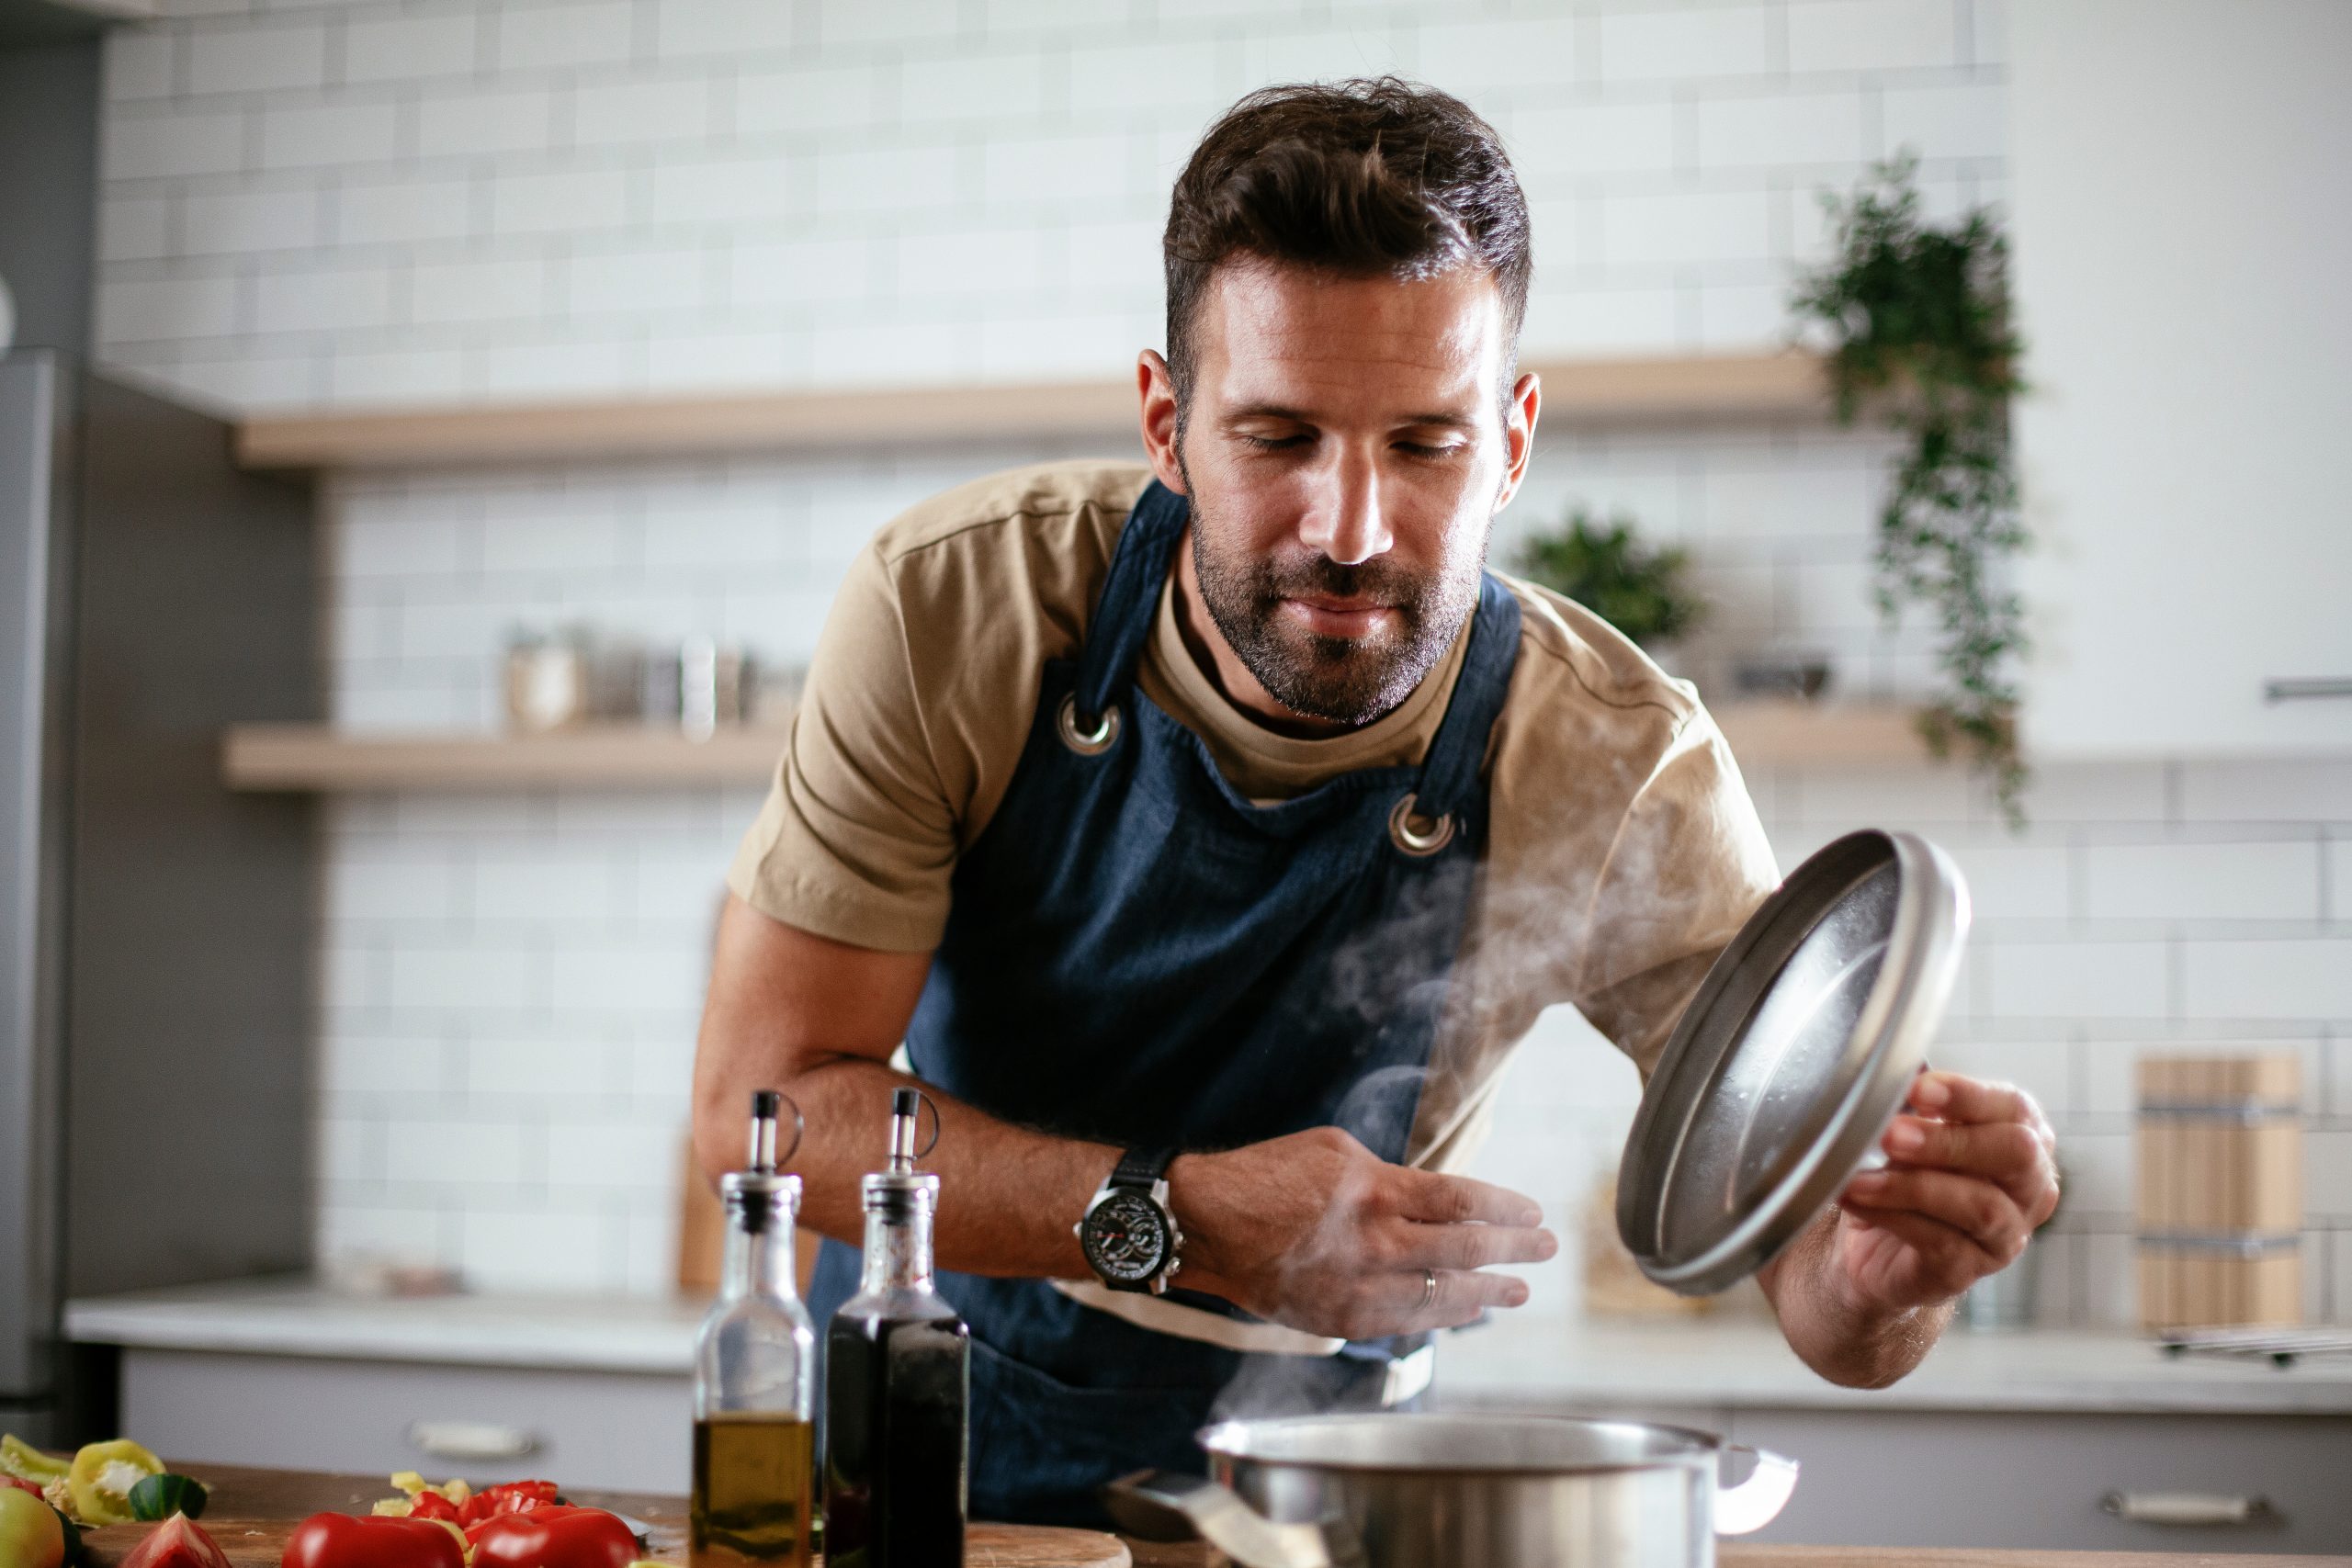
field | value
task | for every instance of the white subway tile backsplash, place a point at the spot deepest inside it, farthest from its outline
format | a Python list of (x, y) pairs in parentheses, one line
[(2203, 882), (1665, 230), (2077, 979), (727, 28), (1960, 121), (247, 59), (992, 89), (734, 190), (142, 144), (1873, 35), (450, 292), (167, 307), (2276, 978), (834, 98), (1687, 44), (715, 361), (850, 23), (2269, 790), (134, 229), (409, 48), (335, 135), (252, 222), (1592, 139), (540, 1250), (323, 301), (566, 34), (570, 201), (472, 123), (1472, 57), (2337, 871), (139, 65), (643, 112), (1077, 172), (579, 368), (401, 212), (461, 978), (1783, 128)]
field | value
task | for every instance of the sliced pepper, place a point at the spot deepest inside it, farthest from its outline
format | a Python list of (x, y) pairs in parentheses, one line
[(101, 1477), (507, 1498), (21, 1460), (177, 1543), (338, 1541), (553, 1536)]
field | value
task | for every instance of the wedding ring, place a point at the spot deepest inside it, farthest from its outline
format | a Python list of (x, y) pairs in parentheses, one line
[(1429, 1289)]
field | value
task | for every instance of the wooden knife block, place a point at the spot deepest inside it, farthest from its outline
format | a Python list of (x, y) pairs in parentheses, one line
[(2221, 1191)]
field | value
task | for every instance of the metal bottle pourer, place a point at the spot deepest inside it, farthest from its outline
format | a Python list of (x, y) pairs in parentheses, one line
[(898, 1186), (752, 1194)]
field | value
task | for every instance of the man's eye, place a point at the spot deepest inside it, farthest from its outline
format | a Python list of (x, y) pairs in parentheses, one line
[(1421, 449), (1275, 443)]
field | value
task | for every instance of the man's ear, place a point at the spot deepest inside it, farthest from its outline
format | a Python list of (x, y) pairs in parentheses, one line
[(1156, 391), (1519, 433)]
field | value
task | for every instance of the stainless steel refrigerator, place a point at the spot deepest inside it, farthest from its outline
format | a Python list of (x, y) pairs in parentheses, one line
[(155, 926)]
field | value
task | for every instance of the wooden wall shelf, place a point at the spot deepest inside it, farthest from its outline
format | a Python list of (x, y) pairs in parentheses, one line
[(1576, 393), (292, 757), (314, 756)]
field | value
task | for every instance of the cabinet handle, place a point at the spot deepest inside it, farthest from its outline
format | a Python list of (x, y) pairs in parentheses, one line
[(471, 1440), (2187, 1507), (2299, 687)]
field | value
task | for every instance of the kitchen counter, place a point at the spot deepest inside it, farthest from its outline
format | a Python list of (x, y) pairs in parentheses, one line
[(250, 1494), (1519, 1363)]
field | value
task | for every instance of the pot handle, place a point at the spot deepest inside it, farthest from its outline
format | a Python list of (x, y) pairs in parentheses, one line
[(1756, 1501), (1165, 1504)]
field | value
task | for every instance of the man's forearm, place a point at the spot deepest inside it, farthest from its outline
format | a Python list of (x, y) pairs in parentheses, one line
[(1845, 1340), (1008, 1195)]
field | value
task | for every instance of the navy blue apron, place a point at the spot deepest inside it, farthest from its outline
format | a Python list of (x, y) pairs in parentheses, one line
[(1140, 955)]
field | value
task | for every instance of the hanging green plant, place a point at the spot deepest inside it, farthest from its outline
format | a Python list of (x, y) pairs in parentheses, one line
[(1919, 321), (1640, 590)]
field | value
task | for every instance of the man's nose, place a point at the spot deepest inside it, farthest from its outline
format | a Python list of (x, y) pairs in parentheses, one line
[(1352, 525)]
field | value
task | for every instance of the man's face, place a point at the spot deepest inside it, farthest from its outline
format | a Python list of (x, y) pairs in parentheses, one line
[(1345, 454)]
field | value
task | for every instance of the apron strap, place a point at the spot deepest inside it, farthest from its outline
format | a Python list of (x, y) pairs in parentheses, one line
[(1122, 616), (1450, 772)]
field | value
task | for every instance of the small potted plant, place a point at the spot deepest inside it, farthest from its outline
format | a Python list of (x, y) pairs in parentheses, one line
[(1642, 590)]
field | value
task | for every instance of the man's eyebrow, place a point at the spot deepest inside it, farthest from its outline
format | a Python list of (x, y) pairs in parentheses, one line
[(1444, 418)]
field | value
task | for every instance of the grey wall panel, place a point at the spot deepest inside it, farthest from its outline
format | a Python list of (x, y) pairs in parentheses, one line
[(191, 1000)]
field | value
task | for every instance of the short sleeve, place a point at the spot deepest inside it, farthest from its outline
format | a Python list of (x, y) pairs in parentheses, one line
[(857, 838), (1690, 862)]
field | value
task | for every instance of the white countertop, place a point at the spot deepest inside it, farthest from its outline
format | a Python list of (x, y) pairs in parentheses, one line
[(297, 1318), (1519, 1363)]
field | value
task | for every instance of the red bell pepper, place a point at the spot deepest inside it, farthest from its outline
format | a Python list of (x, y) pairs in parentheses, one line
[(432, 1505), (549, 1535), (20, 1483), (507, 1498), (178, 1542), (338, 1541)]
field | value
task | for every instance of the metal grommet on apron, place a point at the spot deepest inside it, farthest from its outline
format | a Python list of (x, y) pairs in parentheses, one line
[(1088, 743), (1416, 835)]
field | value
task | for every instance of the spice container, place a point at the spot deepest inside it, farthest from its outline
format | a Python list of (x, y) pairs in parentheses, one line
[(2221, 1197), (897, 1384), (754, 1456)]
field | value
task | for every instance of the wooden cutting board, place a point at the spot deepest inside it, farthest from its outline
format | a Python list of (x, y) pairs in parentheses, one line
[(253, 1510), (259, 1543)]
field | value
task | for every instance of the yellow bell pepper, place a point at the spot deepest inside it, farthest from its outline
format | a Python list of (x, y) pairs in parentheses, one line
[(101, 1476), (26, 1463)]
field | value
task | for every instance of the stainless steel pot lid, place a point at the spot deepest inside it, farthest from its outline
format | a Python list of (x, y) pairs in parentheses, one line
[(1796, 1052)]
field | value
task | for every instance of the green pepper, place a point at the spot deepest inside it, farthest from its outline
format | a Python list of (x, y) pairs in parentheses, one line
[(100, 1480), (26, 1463), (30, 1536), (161, 1496)]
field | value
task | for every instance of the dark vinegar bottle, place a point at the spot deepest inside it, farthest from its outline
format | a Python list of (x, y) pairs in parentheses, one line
[(897, 1380)]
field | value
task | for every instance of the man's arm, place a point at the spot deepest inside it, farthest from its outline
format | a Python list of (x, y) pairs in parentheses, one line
[(1865, 1293), (1310, 1230)]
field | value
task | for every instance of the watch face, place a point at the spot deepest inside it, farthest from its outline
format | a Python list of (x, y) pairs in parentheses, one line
[(1125, 1237)]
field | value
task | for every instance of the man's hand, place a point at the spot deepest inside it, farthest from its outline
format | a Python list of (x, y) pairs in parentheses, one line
[(1972, 1171), (1315, 1232)]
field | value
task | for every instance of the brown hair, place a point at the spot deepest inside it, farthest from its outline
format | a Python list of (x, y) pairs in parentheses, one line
[(1364, 178)]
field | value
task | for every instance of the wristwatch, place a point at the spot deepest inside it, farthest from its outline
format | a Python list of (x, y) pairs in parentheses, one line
[(1128, 1232)]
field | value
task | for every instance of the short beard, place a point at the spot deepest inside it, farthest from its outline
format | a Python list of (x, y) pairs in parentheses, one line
[(1349, 681)]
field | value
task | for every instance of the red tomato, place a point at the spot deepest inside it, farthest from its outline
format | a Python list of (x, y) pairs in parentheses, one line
[(338, 1541), (178, 1542), (509, 1498), (22, 1485), (552, 1536)]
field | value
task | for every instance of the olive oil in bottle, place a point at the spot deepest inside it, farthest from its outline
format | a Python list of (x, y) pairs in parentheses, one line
[(897, 1386), (754, 1472)]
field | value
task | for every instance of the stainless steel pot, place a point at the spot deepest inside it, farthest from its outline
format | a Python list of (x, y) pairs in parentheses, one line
[(1458, 1491)]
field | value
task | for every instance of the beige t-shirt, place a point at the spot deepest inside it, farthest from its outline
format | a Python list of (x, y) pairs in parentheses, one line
[(1623, 850)]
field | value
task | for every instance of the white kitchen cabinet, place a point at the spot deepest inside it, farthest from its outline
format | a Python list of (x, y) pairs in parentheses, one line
[(623, 1431), (2182, 209)]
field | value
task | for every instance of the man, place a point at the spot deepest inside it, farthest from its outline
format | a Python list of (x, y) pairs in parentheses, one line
[(1210, 833)]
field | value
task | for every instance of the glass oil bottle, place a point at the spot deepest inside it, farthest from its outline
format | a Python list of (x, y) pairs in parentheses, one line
[(897, 1384), (755, 1460)]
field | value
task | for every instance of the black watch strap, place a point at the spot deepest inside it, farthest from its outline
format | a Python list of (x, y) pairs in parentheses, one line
[(1142, 1167)]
